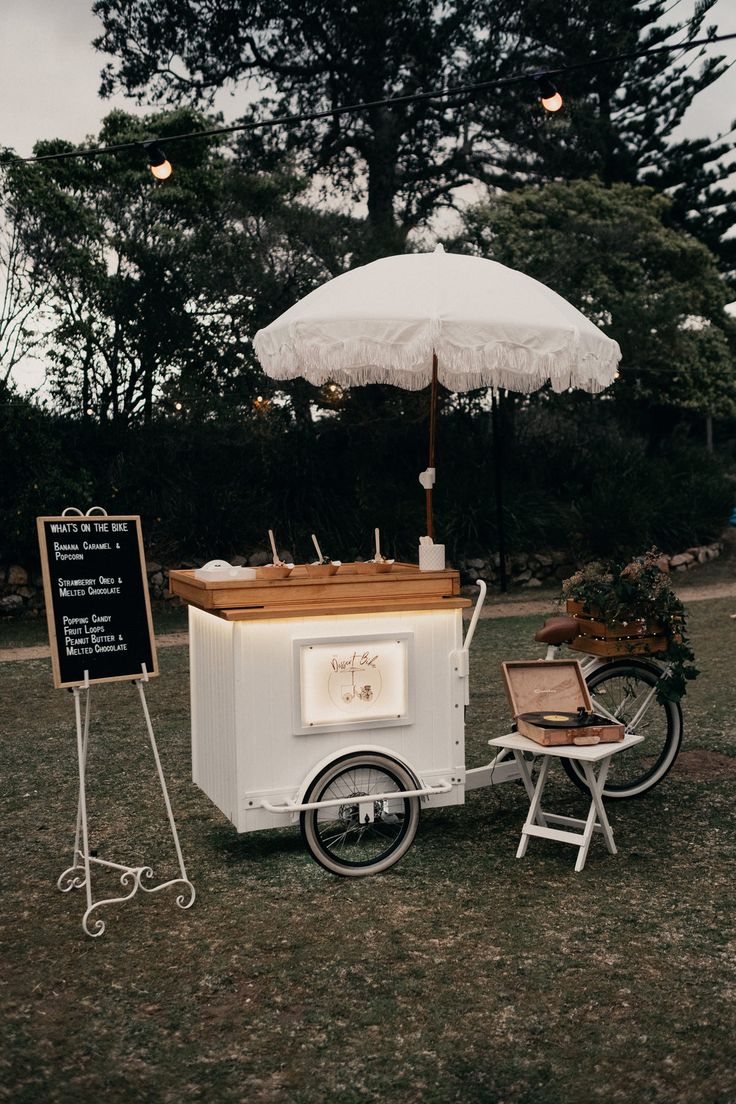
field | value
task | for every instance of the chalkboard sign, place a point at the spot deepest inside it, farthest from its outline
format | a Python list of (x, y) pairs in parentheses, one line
[(97, 605)]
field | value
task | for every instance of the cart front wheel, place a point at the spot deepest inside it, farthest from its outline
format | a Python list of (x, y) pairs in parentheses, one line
[(360, 836)]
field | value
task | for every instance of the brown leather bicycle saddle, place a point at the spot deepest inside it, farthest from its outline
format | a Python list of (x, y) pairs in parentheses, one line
[(557, 630)]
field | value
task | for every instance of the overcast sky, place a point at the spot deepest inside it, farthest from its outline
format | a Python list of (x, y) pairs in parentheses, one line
[(49, 74)]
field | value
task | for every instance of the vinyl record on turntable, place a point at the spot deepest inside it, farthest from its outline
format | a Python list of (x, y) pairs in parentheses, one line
[(559, 719)]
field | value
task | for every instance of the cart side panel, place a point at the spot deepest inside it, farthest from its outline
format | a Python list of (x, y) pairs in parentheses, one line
[(448, 686), (274, 762), (213, 712)]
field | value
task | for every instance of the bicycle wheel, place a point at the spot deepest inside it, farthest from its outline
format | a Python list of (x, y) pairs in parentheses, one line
[(339, 838), (622, 689)]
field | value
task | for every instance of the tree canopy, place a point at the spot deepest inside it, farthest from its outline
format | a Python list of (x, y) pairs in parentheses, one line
[(153, 290), (406, 160), (112, 248), (654, 288)]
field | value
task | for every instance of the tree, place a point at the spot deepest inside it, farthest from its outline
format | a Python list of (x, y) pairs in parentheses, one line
[(110, 245), (265, 248), (408, 159), (651, 286), (23, 293), (321, 56), (154, 290), (620, 120)]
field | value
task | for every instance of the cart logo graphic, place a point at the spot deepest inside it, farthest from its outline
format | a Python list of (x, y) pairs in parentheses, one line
[(354, 679), (348, 682)]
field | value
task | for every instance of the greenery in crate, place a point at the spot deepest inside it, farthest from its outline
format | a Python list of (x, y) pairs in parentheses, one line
[(639, 589)]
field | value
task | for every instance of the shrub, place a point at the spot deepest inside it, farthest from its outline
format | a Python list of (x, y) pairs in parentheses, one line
[(573, 477)]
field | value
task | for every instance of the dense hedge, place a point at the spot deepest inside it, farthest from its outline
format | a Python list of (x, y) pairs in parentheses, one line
[(573, 478)]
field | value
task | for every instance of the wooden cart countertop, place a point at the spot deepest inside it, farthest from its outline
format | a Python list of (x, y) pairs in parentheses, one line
[(349, 591)]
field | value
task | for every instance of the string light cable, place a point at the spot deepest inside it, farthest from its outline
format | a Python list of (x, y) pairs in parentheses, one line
[(161, 167)]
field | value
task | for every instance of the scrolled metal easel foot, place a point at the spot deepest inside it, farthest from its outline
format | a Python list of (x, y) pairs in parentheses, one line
[(133, 876), (74, 877), (181, 899)]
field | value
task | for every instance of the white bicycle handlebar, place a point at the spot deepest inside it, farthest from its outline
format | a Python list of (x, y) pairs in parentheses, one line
[(476, 614)]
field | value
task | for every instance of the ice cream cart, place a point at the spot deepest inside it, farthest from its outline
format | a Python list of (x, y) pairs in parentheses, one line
[(337, 702)]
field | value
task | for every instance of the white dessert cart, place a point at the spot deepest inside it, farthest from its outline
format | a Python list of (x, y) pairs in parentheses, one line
[(337, 703)]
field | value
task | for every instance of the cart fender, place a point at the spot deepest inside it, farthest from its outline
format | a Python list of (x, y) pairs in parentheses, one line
[(374, 748)]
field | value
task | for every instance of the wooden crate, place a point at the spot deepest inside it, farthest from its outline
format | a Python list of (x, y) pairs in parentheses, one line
[(350, 591), (546, 686), (597, 636)]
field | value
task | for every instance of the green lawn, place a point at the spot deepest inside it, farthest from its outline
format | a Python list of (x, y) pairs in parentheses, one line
[(460, 975)]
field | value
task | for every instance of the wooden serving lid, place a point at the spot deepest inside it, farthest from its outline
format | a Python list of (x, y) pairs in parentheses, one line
[(540, 686), (349, 591)]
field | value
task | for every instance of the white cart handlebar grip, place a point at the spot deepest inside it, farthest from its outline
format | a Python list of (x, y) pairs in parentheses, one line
[(476, 614)]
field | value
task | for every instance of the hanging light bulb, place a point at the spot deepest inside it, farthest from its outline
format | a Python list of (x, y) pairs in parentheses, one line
[(160, 167), (549, 97)]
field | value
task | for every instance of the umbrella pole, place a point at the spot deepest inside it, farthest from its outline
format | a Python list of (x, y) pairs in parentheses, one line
[(432, 439), (498, 479)]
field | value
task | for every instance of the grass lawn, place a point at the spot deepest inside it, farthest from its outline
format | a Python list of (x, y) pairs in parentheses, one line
[(460, 975)]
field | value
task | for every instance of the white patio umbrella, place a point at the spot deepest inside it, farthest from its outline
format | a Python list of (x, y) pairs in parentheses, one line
[(419, 318)]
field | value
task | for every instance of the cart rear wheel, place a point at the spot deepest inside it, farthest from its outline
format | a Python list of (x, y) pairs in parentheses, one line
[(626, 689), (361, 836)]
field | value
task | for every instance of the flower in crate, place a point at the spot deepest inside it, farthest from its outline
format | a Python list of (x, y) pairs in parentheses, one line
[(637, 600)]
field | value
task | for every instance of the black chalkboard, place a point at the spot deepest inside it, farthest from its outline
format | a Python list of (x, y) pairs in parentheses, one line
[(97, 605)]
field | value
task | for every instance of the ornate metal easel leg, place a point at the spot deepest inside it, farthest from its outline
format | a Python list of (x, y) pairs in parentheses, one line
[(99, 925), (78, 875), (181, 900), (69, 879)]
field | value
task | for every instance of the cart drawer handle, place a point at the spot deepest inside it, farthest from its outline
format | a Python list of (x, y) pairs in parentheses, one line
[(292, 806)]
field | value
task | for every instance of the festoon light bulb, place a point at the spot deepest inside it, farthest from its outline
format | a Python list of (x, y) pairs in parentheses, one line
[(160, 167), (549, 97)]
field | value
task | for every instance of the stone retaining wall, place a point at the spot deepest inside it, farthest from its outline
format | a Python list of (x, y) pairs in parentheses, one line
[(21, 590), (537, 569)]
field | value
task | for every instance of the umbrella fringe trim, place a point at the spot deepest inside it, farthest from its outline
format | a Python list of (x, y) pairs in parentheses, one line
[(500, 365)]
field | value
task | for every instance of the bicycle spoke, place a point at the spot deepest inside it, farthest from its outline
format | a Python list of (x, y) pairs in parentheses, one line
[(626, 692), (361, 834)]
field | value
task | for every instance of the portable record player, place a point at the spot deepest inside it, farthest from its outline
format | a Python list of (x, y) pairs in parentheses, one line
[(551, 704)]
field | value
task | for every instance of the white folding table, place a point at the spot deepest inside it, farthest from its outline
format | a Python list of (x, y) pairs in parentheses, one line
[(538, 821)]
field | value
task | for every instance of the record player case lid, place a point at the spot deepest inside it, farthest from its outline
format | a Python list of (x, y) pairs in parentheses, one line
[(534, 686)]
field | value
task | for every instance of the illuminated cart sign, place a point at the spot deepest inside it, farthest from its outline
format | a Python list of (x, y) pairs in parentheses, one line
[(350, 683)]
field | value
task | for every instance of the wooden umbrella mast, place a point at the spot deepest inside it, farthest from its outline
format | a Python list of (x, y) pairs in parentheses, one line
[(432, 440)]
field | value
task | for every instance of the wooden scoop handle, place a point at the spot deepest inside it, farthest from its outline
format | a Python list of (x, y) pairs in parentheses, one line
[(319, 550)]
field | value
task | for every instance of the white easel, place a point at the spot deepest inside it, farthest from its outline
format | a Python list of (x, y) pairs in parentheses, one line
[(131, 876)]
